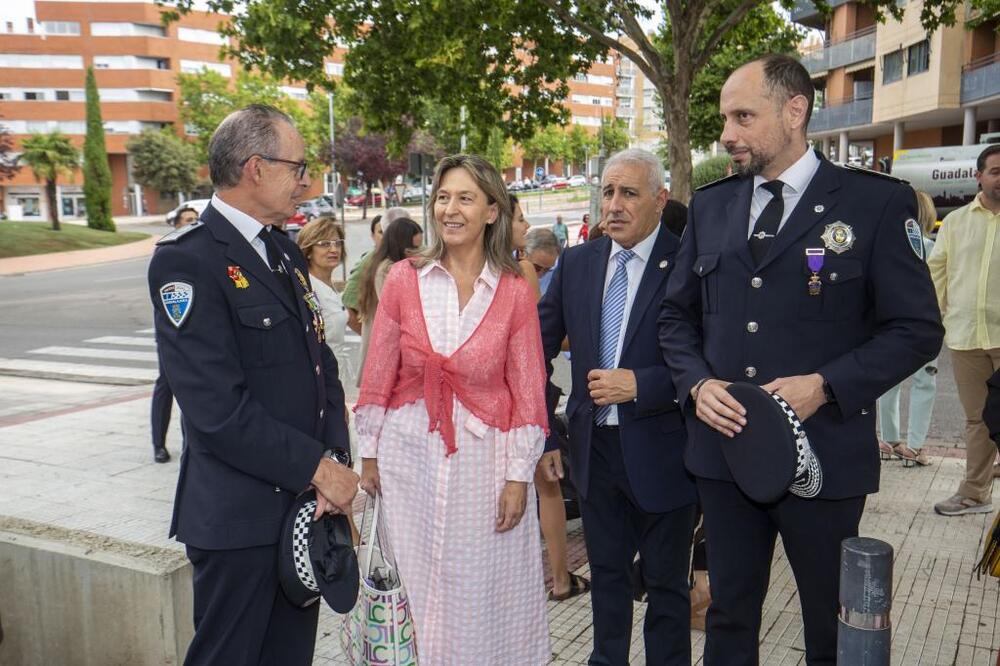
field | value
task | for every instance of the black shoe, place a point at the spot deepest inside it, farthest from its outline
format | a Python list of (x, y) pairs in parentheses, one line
[(160, 455)]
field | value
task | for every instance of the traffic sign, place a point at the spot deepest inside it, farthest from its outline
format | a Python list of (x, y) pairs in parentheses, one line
[(539, 172)]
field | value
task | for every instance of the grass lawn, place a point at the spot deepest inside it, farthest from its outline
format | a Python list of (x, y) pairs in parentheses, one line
[(19, 239)]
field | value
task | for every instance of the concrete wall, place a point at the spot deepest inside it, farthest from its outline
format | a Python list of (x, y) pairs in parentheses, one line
[(75, 598)]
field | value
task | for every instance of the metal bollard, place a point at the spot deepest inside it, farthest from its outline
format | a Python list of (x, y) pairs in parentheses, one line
[(864, 631)]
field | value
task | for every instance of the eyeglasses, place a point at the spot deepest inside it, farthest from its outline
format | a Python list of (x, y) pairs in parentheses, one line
[(300, 172), (325, 244)]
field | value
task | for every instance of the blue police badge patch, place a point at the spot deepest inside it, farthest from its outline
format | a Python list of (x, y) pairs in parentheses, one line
[(177, 299), (915, 237)]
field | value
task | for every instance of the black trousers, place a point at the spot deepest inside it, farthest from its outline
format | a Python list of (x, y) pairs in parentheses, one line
[(162, 403), (615, 528), (742, 535), (241, 616)]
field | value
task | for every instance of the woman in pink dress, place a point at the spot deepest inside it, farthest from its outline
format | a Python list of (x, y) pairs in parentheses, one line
[(451, 422)]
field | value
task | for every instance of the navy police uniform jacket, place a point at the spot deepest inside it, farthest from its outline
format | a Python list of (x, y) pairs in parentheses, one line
[(259, 391), (651, 427), (873, 323)]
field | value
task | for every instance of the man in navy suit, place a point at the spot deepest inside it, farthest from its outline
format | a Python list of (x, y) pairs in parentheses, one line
[(241, 344), (626, 434), (807, 279)]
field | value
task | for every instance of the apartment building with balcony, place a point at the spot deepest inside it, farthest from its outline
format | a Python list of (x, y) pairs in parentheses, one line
[(882, 87), (637, 103)]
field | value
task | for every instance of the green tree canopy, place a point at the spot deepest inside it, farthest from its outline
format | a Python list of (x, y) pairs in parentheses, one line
[(96, 171), (613, 136), (8, 162), (506, 61), (50, 156), (548, 144), (163, 161), (580, 144)]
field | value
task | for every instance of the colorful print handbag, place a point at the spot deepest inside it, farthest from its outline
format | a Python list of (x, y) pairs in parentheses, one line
[(379, 630)]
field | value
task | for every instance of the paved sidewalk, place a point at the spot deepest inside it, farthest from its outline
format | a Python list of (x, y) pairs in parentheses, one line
[(89, 468), (73, 258)]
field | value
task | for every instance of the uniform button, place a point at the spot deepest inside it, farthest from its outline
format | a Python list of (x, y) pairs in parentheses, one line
[(750, 371), (307, 328), (833, 277), (277, 489), (267, 322), (864, 411), (317, 371), (752, 327), (321, 412), (756, 282)]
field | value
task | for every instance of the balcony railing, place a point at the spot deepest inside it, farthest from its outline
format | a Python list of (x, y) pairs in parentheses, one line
[(981, 78), (625, 112), (856, 47), (841, 115)]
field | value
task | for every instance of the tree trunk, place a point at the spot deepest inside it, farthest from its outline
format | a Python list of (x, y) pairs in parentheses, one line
[(675, 119), (50, 194)]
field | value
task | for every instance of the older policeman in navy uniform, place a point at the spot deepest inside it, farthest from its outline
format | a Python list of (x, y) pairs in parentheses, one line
[(241, 343), (626, 434), (808, 279)]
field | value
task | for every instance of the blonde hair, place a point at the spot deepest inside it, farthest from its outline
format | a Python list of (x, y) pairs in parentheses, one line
[(324, 227), (927, 216), (499, 236)]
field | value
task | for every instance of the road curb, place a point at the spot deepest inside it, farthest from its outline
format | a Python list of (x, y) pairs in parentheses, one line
[(75, 258)]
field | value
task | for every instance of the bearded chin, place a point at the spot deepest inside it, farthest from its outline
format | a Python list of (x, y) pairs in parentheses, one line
[(754, 167)]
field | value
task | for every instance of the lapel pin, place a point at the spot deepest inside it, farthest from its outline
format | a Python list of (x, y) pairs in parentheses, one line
[(287, 258), (819, 208), (664, 264)]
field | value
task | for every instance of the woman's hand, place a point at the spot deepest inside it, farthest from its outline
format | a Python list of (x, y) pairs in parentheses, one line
[(370, 482), (513, 500)]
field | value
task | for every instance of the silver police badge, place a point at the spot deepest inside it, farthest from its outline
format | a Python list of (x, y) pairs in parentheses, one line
[(838, 237), (177, 299)]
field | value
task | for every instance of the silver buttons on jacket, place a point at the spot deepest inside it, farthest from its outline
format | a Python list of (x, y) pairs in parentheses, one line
[(750, 371), (752, 327), (267, 322), (756, 282)]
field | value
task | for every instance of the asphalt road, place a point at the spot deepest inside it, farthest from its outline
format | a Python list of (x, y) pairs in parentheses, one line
[(68, 307)]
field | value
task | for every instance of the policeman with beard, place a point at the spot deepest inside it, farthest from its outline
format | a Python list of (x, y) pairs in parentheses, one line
[(808, 280)]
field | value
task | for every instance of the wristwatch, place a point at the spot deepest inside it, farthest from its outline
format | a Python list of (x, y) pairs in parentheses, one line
[(339, 455), (828, 392)]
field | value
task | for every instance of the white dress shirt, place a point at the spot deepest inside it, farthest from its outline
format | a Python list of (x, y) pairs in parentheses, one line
[(246, 225), (795, 178), (634, 269)]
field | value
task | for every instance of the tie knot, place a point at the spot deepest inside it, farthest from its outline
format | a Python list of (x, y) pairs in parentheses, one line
[(774, 187), (264, 233), (624, 257)]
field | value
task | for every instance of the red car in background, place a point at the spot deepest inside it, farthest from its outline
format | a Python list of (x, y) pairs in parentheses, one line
[(375, 199), (293, 225)]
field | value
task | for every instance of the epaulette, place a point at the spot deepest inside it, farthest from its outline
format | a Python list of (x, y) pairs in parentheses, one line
[(877, 174), (177, 234), (717, 182)]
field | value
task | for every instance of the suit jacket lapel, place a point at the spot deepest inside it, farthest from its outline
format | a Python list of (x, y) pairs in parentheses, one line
[(817, 202), (244, 256), (653, 276), (598, 265), (737, 221)]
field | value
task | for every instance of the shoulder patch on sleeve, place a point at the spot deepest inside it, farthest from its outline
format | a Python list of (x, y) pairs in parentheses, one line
[(177, 299), (717, 182), (916, 238), (876, 174), (177, 234)]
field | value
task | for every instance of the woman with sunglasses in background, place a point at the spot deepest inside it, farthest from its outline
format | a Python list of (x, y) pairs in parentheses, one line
[(322, 243)]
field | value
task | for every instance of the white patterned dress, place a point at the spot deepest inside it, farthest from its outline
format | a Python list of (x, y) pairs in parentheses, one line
[(477, 597)]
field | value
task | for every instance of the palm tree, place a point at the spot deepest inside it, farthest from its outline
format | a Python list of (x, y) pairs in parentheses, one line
[(50, 155)]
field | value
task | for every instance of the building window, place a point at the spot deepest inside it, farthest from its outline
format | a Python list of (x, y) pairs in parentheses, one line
[(34, 96), (61, 27), (201, 36), (31, 25), (580, 76), (62, 95), (108, 29), (39, 61), (197, 66), (918, 58), (335, 68), (892, 67)]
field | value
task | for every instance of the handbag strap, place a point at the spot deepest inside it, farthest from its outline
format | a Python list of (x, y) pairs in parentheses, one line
[(372, 532)]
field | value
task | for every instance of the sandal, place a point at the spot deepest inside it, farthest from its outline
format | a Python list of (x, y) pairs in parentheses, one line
[(910, 457), (577, 585), (885, 450)]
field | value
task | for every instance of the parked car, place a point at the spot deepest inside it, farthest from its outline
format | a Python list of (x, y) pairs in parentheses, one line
[(577, 181), (554, 183), (321, 205), (516, 186), (374, 200), (294, 224), (415, 193), (198, 204)]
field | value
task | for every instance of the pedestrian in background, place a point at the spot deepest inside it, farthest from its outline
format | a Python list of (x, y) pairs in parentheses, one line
[(584, 234), (163, 398), (402, 238), (924, 386), (350, 294), (964, 268), (451, 423), (322, 243), (561, 231), (263, 407)]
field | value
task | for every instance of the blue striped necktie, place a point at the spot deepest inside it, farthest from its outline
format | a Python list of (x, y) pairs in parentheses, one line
[(612, 313)]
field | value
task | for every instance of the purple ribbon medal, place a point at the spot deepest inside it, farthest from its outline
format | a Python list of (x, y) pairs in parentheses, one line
[(814, 259)]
